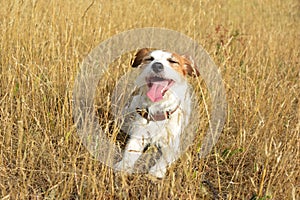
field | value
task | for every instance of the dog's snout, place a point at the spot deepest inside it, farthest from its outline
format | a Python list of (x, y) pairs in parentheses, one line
[(157, 67)]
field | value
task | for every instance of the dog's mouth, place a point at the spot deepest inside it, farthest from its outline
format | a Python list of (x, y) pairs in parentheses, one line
[(158, 87)]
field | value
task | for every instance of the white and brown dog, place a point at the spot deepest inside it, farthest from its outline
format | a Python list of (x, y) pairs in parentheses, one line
[(162, 108)]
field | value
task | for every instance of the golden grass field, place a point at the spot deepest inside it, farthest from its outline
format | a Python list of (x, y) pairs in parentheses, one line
[(255, 44)]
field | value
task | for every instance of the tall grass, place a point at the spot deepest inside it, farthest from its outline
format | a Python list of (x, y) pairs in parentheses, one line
[(254, 43)]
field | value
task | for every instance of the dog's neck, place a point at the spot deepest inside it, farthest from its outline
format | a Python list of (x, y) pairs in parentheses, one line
[(161, 110), (158, 116)]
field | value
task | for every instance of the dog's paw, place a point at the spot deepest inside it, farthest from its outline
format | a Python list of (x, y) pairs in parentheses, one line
[(158, 173), (121, 166), (118, 166)]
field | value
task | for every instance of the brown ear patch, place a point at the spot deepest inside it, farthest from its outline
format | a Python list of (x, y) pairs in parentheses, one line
[(139, 57), (190, 67)]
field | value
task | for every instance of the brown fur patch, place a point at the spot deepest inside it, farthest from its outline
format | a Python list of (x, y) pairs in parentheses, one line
[(183, 65), (139, 57)]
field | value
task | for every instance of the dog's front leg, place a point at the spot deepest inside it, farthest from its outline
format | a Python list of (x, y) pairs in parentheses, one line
[(132, 152), (170, 153)]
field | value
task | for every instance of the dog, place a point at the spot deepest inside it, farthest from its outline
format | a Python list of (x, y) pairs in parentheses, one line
[(161, 107)]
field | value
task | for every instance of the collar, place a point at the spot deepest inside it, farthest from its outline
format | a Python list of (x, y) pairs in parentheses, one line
[(144, 112)]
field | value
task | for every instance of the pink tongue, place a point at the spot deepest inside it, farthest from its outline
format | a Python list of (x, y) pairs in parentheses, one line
[(155, 92)]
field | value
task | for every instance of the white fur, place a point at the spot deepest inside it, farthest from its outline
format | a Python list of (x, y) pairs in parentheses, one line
[(164, 134)]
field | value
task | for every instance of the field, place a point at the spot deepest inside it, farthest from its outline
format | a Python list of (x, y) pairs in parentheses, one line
[(255, 45)]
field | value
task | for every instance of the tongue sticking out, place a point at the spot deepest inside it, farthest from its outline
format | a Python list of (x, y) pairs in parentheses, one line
[(157, 89)]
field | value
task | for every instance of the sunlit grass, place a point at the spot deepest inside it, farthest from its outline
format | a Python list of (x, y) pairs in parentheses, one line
[(255, 45)]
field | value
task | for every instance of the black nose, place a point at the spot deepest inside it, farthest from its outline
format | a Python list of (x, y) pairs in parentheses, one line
[(157, 67)]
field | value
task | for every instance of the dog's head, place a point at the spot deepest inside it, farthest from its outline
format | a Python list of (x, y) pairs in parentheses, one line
[(162, 70)]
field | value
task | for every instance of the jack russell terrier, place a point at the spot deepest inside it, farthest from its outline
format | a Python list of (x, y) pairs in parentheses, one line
[(161, 108)]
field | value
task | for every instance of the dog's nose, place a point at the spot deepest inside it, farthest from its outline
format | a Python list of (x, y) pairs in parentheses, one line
[(157, 67)]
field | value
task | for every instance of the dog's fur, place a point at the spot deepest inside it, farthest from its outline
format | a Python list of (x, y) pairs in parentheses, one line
[(162, 108)]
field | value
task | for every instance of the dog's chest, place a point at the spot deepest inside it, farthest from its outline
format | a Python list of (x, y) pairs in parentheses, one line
[(157, 130)]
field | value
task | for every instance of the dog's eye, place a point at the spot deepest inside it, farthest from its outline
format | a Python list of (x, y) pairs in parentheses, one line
[(173, 61), (150, 58)]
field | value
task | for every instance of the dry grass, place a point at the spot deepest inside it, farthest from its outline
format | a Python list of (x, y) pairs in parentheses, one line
[(254, 43)]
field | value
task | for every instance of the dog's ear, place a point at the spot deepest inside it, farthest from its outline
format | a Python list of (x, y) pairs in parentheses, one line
[(139, 57), (190, 67)]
